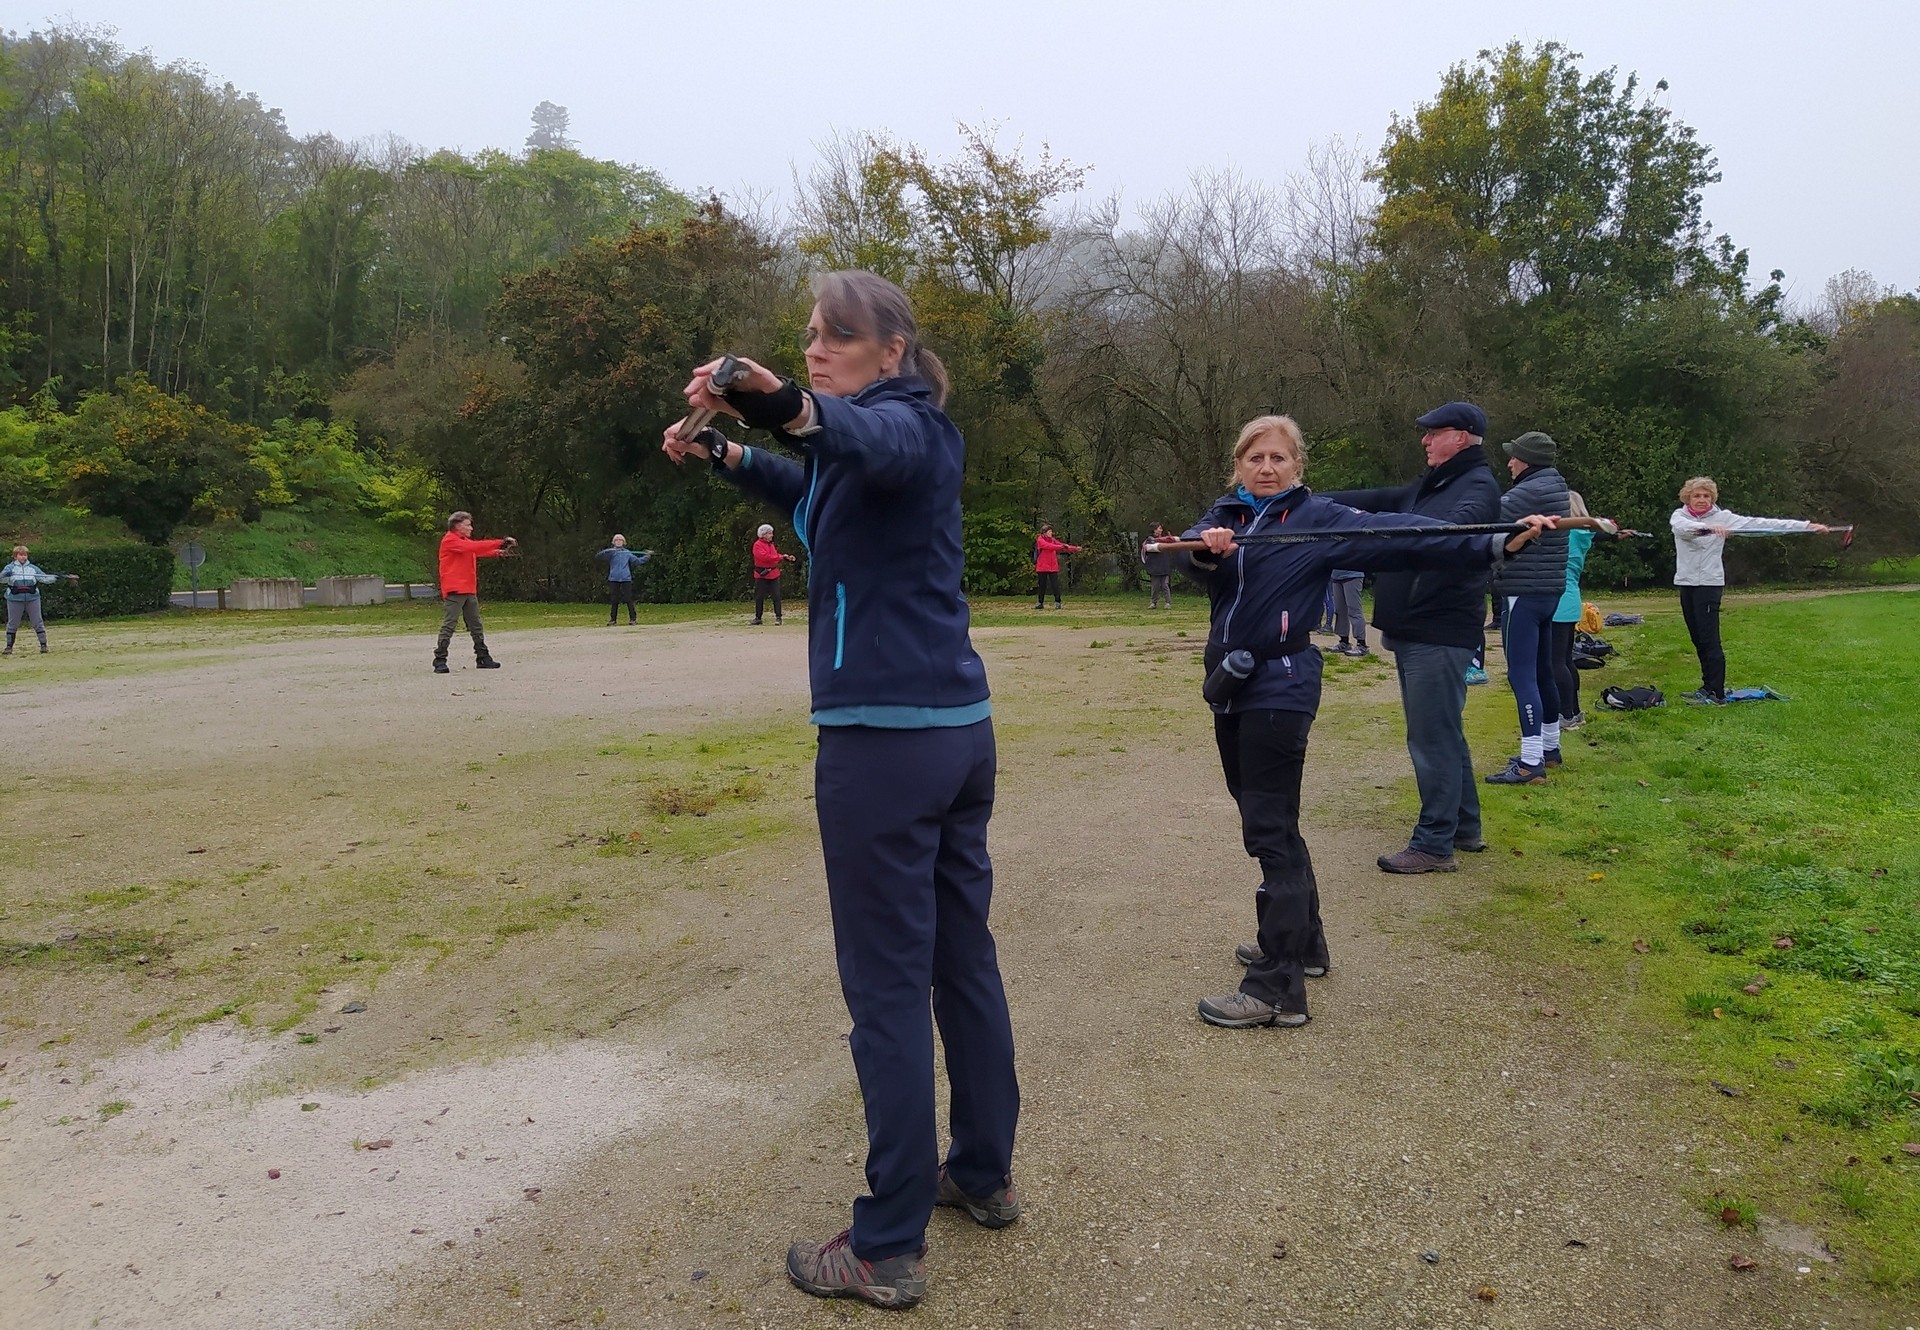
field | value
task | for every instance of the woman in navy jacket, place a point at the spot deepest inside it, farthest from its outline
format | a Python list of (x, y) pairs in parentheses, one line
[(1265, 600), (904, 781)]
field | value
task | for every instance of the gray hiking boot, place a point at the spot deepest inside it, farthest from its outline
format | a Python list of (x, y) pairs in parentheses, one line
[(1242, 1011), (1249, 952), (996, 1209), (830, 1270), (1411, 860)]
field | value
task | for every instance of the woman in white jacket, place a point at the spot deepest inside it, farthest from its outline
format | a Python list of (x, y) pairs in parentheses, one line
[(1700, 530)]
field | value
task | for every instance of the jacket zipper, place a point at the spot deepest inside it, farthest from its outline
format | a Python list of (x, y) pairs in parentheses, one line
[(839, 623), (1240, 586)]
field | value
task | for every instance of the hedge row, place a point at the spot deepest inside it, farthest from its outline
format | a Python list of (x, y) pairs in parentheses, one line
[(114, 579)]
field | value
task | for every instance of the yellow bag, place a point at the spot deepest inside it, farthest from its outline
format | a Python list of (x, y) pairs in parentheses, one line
[(1589, 617)]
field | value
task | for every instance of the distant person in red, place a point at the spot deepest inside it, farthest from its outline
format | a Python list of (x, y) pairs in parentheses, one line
[(1046, 566), (460, 587), (766, 574)]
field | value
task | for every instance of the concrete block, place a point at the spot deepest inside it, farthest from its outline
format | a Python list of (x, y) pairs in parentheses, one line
[(367, 589), (266, 593)]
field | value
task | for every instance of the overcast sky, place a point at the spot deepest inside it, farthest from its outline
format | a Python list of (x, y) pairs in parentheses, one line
[(1812, 108)]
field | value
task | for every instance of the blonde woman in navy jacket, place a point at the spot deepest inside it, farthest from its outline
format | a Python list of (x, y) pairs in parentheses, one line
[(904, 782), (1265, 600)]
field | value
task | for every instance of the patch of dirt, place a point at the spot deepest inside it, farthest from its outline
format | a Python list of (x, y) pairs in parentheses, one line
[(1165, 1165)]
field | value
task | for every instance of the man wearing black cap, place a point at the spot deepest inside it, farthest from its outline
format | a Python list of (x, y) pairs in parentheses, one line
[(1430, 620)]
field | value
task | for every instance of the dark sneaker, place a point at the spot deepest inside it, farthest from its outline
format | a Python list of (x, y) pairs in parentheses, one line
[(997, 1209), (1518, 773), (1552, 759), (440, 667), (1249, 952), (488, 664), (1475, 846), (1243, 1011), (830, 1270), (1411, 860), (1573, 722)]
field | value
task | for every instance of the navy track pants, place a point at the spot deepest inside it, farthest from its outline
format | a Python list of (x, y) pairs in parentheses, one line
[(903, 824)]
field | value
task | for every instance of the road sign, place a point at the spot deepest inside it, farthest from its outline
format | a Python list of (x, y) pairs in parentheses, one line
[(193, 555)]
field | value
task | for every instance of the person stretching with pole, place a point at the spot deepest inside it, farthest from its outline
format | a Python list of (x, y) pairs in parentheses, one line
[(1263, 680), (24, 580), (1046, 566), (621, 562), (1700, 530), (904, 778), (460, 588), (766, 573), (1531, 587)]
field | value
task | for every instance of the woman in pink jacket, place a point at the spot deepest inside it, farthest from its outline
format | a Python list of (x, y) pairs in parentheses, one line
[(1046, 566), (766, 574)]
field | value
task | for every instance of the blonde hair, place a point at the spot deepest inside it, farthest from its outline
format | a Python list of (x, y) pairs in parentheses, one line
[(1700, 483), (1576, 506), (21, 549), (1262, 426)]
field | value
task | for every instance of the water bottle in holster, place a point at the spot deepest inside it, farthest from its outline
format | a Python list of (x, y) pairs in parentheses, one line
[(1229, 677)]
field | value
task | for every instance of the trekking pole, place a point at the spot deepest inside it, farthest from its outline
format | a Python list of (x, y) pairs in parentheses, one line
[(1603, 524), (724, 375)]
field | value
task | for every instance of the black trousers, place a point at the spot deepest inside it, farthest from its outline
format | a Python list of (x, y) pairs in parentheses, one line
[(761, 586), (1566, 679), (1263, 753), (618, 594), (1700, 607), (1047, 582)]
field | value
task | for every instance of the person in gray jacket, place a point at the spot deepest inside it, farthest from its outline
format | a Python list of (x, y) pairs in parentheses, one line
[(24, 578), (1159, 566), (1530, 587)]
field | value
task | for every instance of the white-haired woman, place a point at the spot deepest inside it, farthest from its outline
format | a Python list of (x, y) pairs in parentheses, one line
[(1700, 530), (766, 573), (904, 779)]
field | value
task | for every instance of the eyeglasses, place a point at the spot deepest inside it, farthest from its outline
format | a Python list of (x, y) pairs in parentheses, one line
[(836, 337)]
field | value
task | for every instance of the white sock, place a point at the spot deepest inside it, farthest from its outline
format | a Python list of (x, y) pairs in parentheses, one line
[(1533, 751), (1550, 734)]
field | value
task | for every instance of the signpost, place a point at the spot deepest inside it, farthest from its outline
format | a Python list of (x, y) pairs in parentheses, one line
[(193, 555)]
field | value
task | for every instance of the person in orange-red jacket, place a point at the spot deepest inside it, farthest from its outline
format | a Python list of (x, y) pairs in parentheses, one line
[(766, 573), (460, 587), (1046, 566)]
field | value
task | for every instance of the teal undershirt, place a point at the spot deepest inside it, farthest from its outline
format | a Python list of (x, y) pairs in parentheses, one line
[(906, 718)]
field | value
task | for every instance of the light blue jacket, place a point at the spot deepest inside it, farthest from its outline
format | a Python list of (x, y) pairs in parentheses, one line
[(1578, 543), (621, 561), (24, 580)]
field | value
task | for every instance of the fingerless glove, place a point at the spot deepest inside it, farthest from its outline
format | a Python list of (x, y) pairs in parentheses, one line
[(768, 410)]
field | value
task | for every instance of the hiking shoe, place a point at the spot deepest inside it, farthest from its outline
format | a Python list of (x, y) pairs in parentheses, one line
[(830, 1270), (996, 1209), (488, 664), (1573, 722), (1476, 675), (1243, 1011), (1700, 697), (1518, 773), (441, 667), (1344, 647), (1249, 952), (1470, 846), (1552, 759), (1360, 650), (1411, 860)]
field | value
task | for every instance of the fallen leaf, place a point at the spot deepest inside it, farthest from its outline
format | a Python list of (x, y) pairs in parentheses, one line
[(1549, 1011), (1640, 945), (353, 1008), (273, 1172), (1730, 1216), (416, 1230), (532, 1193), (1753, 990), (1596, 877), (386, 1144), (1717, 1013), (1740, 1262), (1518, 854), (1786, 1064), (1575, 1242), (1486, 1293), (1279, 1251), (1642, 784)]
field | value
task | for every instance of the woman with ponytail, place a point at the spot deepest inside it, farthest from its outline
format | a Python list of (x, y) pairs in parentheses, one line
[(904, 781)]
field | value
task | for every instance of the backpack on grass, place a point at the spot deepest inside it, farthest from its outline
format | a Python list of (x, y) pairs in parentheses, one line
[(1644, 698)]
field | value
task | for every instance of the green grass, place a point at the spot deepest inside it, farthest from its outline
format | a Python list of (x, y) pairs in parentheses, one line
[(1737, 890), (284, 543)]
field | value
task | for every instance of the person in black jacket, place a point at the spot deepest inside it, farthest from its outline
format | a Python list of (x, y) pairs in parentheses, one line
[(1159, 566), (904, 780), (1264, 600), (1530, 588), (1431, 622)]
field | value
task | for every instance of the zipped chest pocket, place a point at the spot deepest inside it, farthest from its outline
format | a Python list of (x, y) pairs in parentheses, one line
[(839, 624)]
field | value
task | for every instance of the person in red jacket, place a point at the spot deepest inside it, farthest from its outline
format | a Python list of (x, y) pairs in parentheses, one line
[(460, 587), (1046, 566), (766, 573)]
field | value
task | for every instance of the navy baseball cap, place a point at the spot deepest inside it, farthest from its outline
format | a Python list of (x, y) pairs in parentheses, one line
[(1456, 415)]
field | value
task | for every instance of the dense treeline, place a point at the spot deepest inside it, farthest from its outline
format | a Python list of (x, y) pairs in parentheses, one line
[(201, 314)]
